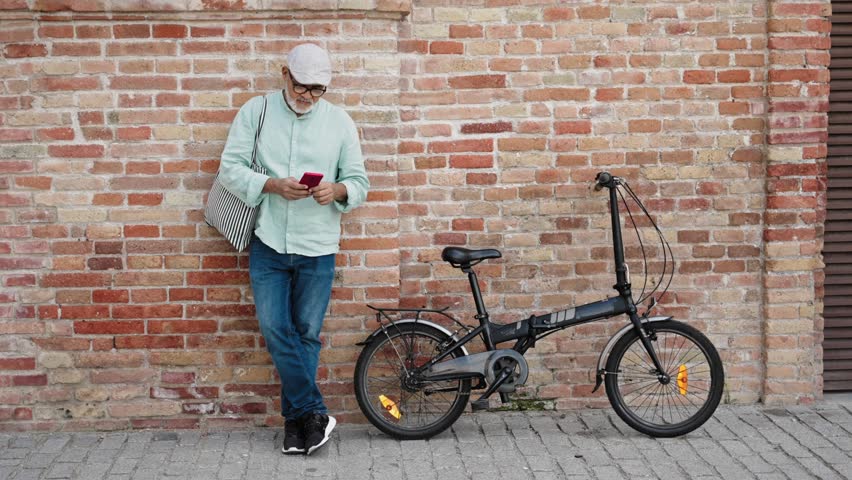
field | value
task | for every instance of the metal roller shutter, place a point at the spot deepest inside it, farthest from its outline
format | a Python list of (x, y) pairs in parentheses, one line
[(837, 346)]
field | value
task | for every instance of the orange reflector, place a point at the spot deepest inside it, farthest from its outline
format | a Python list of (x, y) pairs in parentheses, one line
[(682, 379), (390, 406)]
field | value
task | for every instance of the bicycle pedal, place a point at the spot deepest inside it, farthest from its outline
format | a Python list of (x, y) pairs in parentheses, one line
[(479, 405)]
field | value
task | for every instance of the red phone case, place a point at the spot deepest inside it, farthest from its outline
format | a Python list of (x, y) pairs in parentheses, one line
[(311, 179)]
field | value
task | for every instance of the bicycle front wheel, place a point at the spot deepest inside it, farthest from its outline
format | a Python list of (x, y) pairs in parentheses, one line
[(674, 405), (388, 396)]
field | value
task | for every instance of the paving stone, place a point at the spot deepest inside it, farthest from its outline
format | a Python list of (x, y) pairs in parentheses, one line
[(29, 474), (61, 470), (40, 460), (54, 443), (95, 471), (742, 442)]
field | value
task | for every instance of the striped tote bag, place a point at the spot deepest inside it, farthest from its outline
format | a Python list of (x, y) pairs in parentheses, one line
[(227, 213)]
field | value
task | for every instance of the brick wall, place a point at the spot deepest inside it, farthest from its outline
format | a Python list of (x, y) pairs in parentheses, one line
[(482, 125)]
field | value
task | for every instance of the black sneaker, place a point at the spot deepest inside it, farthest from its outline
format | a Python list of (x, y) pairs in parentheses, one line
[(294, 439), (317, 428)]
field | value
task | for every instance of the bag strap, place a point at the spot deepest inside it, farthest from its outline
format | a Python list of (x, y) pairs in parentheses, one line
[(257, 132)]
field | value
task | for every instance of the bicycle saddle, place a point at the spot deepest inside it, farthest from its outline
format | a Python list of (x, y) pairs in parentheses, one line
[(463, 256)]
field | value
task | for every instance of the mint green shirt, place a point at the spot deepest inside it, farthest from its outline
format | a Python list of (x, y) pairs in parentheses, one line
[(324, 140)]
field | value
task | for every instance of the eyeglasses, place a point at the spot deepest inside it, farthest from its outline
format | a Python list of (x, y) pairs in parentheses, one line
[(316, 90)]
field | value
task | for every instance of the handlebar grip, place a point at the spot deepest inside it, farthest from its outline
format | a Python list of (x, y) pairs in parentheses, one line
[(602, 179)]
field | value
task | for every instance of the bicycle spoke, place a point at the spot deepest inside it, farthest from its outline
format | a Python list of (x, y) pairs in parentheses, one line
[(658, 404), (387, 374)]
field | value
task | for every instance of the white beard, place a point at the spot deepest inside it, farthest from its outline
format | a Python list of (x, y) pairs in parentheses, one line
[(296, 104)]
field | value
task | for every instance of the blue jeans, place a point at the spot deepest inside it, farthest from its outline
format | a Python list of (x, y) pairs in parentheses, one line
[(291, 294)]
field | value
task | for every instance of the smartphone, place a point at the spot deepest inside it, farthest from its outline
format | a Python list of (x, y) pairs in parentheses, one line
[(311, 179)]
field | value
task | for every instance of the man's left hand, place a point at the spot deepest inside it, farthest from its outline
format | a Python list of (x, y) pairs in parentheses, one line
[(326, 192), (323, 193)]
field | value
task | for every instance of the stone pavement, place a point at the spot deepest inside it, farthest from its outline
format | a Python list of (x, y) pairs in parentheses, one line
[(739, 442)]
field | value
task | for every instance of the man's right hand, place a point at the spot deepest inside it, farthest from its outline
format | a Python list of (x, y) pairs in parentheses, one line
[(289, 188)]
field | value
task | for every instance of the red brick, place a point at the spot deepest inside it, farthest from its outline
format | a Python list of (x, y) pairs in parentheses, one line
[(734, 76), (482, 145), (246, 358), (108, 327), (466, 31), (217, 278), (141, 230), (105, 263), (559, 94), (791, 202), (93, 31), (20, 363), (468, 224), (15, 199), (441, 47), (184, 392), (644, 126), (471, 161), (413, 46), (207, 32), (686, 267), (481, 179), (254, 389), (84, 311), (495, 127), (62, 344), (29, 380), (799, 43), (15, 135), (147, 311), (17, 413), (593, 13), (56, 31), (699, 76), (219, 262), (573, 127), (242, 408), (52, 84), (110, 296), (207, 47), (820, 136), (170, 31), (521, 144), (477, 81), (218, 311), (76, 151), (20, 280), (25, 50), (75, 279), (182, 326), (132, 31), (178, 377)]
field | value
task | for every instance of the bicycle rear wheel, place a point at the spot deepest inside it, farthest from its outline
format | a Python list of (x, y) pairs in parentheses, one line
[(397, 406), (665, 408)]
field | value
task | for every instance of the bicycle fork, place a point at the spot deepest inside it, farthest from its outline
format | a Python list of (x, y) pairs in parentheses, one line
[(636, 323)]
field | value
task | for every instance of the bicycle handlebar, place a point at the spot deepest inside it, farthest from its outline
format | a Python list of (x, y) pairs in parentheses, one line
[(602, 179)]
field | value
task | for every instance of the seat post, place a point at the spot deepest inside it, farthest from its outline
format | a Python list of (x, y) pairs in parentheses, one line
[(481, 312)]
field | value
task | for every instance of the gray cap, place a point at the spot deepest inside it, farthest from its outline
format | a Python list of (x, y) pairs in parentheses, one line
[(309, 64)]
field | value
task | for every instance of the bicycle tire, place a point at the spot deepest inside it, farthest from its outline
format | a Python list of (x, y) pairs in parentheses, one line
[(683, 404), (378, 357)]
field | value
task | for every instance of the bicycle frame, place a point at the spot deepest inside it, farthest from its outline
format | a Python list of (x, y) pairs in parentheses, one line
[(525, 332)]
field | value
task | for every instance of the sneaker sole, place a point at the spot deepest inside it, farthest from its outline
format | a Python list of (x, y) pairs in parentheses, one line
[(292, 450), (328, 428)]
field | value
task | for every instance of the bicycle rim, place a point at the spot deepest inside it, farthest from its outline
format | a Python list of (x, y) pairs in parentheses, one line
[(407, 411), (673, 408)]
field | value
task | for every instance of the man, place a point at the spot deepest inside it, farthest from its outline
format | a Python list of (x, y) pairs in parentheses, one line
[(297, 234)]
